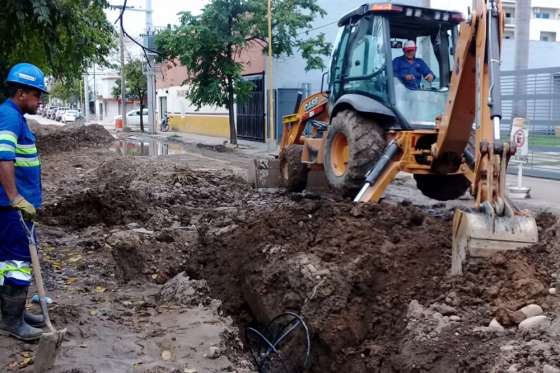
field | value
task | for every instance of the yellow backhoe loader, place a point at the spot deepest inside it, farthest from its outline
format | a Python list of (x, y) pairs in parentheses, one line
[(370, 125)]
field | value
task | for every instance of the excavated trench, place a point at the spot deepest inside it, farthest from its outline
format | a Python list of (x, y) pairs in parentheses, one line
[(370, 281)]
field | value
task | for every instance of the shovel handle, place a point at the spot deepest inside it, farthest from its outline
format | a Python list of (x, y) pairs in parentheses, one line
[(37, 275), (40, 287)]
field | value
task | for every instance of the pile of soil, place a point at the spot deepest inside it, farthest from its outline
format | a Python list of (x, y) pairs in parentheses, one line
[(52, 139), (371, 281), (355, 273)]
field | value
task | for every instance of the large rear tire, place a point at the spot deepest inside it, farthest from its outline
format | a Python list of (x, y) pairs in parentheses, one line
[(294, 172), (354, 144), (442, 187)]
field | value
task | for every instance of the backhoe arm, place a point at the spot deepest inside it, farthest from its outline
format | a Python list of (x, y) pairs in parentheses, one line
[(474, 97)]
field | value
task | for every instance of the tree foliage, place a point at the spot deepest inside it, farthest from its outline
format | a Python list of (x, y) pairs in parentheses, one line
[(209, 45), (62, 37), (136, 85), (67, 90)]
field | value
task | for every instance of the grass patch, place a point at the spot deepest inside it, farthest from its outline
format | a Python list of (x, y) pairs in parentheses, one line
[(544, 140)]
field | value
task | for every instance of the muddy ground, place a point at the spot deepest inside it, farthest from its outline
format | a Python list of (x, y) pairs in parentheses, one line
[(158, 264)]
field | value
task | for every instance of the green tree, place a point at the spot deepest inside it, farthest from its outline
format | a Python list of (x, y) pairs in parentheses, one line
[(62, 37), (136, 86), (68, 90), (208, 44)]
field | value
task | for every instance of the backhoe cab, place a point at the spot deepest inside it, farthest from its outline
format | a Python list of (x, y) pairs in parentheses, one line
[(371, 124), (361, 72)]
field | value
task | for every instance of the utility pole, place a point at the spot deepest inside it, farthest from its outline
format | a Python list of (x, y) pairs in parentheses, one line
[(95, 94), (270, 81), (123, 83), (150, 68), (86, 98), (522, 24)]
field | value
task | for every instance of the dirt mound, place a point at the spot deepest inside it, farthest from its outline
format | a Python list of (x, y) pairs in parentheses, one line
[(353, 271), (127, 190), (52, 139)]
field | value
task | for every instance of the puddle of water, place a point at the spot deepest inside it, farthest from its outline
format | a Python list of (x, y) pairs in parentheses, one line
[(150, 148)]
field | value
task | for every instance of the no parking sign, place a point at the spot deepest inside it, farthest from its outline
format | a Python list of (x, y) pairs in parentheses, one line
[(520, 137)]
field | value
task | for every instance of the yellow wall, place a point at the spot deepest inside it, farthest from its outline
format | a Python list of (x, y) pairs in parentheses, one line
[(200, 124)]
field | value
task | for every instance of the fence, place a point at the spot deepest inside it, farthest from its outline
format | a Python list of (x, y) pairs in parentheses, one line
[(539, 102)]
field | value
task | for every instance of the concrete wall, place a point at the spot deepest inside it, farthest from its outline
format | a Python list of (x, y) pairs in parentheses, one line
[(202, 124)]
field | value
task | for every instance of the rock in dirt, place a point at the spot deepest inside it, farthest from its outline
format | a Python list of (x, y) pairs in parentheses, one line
[(444, 309), (183, 290), (532, 310), (213, 352), (550, 369), (496, 326), (535, 322), (552, 291)]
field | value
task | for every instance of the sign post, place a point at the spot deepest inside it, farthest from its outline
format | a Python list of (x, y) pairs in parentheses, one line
[(520, 137)]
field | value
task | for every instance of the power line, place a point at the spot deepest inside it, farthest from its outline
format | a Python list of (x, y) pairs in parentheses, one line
[(144, 48)]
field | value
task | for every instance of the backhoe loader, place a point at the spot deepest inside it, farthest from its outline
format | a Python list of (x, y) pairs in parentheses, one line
[(368, 126)]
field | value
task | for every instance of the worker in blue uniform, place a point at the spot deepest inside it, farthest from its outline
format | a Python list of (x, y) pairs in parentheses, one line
[(20, 196), (409, 69)]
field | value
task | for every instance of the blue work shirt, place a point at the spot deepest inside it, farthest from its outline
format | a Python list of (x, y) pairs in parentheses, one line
[(418, 68), (17, 144)]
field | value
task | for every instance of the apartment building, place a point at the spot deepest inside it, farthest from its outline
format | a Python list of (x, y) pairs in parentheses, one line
[(545, 19)]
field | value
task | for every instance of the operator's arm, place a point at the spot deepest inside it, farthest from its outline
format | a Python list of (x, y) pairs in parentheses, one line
[(425, 70)]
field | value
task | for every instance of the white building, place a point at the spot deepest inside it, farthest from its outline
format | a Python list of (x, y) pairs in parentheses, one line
[(545, 19), (103, 106)]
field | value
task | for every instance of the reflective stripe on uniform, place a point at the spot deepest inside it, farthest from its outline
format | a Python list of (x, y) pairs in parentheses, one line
[(27, 162), (26, 149), (9, 136), (7, 148), (15, 269)]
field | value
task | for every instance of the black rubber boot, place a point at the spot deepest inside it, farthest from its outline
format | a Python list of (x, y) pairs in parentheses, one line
[(13, 300), (36, 321)]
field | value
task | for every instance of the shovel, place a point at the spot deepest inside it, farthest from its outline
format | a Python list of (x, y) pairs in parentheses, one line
[(50, 342)]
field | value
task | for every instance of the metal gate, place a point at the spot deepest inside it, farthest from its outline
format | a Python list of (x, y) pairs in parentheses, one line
[(250, 114)]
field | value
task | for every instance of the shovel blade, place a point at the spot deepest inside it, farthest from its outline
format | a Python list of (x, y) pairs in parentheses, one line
[(49, 346), (480, 235)]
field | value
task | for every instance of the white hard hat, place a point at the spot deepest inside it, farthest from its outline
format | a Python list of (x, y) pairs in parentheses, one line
[(409, 45)]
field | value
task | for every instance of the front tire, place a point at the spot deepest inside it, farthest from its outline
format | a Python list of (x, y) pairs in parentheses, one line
[(354, 144)]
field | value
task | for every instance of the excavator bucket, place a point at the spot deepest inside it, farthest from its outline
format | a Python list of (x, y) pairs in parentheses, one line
[(476, 234), (265, 173)]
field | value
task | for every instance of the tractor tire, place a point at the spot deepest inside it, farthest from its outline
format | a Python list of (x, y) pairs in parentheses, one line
[(442, 187), (294, 172), (354, 144)]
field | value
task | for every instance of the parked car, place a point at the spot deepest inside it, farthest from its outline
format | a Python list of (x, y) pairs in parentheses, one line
[(133, 118), (70, 116), (51, 112), (60, 113)]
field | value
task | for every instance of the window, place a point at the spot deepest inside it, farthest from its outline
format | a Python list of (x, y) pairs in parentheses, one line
[(542, 13), (548, 36), (509, 34), (366, 54), (364, 67)]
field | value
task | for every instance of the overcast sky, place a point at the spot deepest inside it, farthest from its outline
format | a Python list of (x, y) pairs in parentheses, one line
[(164, 13)]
